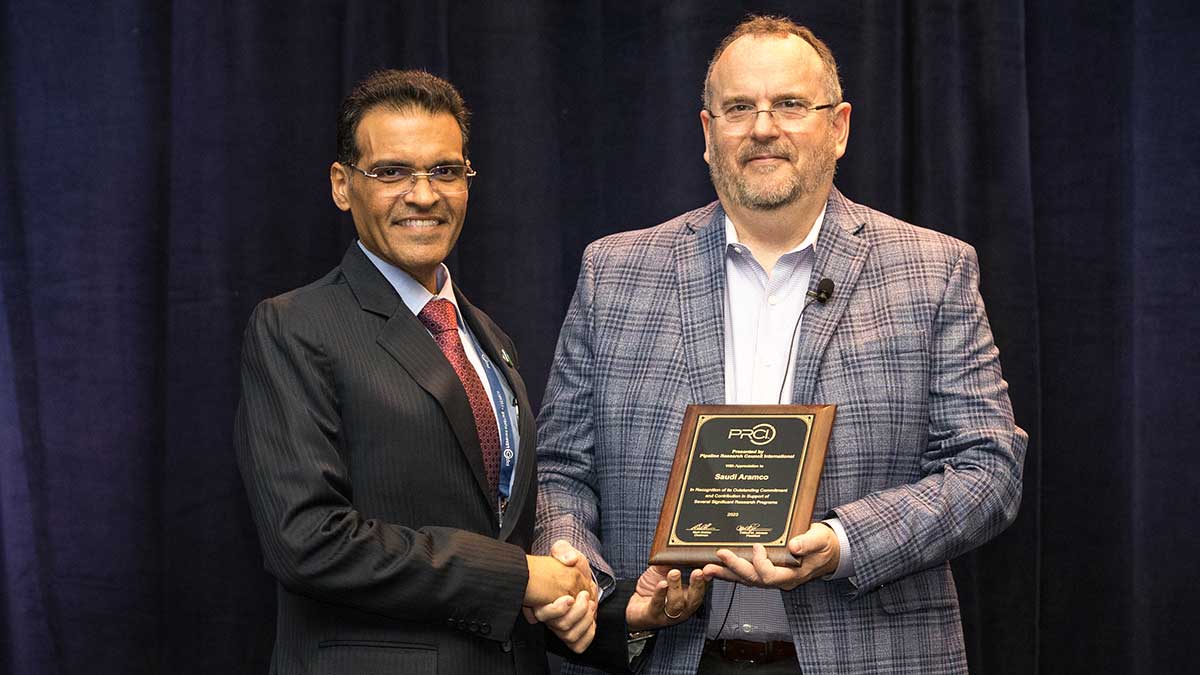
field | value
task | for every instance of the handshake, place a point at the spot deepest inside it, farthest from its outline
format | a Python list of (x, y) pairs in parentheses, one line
[(562, 594)]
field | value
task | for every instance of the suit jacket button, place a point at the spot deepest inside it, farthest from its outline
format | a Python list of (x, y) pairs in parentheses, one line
[(473, 626), (485, 628), (506, 646)]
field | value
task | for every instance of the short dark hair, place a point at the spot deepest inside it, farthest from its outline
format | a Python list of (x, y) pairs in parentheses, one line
[(402, 91), (780, 26)]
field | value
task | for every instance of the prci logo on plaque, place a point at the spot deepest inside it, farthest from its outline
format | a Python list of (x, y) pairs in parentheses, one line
[(742, 475)]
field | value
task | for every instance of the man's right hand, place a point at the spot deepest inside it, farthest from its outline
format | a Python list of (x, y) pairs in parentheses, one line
[(571, 617), (550, 579)]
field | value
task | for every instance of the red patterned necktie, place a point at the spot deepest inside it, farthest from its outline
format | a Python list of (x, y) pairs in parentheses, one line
[(439, 317)]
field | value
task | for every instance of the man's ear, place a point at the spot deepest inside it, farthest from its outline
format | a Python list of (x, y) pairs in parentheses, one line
[(705, 121), (841, 128), (339, 186)]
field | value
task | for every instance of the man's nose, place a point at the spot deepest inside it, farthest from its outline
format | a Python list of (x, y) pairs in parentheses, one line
[(422, 193), (764, 124)]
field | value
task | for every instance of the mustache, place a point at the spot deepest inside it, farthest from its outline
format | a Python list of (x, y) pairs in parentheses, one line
[(759, 149), (438, 212)]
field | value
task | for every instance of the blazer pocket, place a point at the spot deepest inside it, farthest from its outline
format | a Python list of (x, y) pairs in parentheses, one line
[(926, 589), (366, 657), (887, 351)]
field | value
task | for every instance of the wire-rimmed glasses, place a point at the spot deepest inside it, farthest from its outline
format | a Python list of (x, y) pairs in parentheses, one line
[(789, 114), (446, 179)]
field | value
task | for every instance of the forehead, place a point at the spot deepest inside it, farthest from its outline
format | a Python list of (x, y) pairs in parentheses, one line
[(755, 66), (413, 137)]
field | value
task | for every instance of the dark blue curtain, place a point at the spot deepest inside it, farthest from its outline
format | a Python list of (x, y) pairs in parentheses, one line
[(165, 167)]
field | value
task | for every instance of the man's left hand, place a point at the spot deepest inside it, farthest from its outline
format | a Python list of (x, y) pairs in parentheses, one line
[(661, 599), (817, 550)]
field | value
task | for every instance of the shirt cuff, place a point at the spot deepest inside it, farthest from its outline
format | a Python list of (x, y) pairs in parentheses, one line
[(605, 583), (845, 566)]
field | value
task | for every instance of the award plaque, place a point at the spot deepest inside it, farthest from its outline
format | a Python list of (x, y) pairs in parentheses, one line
[(743, 475)]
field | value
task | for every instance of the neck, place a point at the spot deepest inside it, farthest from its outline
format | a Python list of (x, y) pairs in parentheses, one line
[(425, 277), (770, 234)]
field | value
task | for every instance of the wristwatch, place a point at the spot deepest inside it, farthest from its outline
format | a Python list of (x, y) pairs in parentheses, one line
[(638, 642)]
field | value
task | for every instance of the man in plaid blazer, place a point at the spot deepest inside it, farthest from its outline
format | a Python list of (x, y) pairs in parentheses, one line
[(925, 459)]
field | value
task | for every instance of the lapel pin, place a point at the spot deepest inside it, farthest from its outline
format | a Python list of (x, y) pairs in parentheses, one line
[(507, 359)]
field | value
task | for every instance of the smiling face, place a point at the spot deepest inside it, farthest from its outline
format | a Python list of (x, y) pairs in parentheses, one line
[(765, 167), (413, 231)]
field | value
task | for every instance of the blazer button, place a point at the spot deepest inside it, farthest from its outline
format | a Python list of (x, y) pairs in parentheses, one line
[(506, 646), (473, 626), (485, 628)]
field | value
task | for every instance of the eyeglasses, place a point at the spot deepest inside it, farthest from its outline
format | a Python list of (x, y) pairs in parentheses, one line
[(448, 179), (788, 114)]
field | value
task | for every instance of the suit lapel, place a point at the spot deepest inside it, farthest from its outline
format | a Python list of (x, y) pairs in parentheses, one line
[(840, 258), (407, 341), (504, 358), (700, 272)]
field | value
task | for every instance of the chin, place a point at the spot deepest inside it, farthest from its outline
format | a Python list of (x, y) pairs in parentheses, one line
[(764, 206), (769, 200)]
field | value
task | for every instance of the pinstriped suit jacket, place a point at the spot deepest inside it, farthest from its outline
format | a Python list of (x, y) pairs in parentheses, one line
[(924, 462), (360, 457)]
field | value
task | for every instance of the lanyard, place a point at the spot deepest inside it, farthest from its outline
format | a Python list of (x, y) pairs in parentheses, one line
[(500, 403)]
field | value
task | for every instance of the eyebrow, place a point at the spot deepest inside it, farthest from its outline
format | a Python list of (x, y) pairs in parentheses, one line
[(743, 98), (397, 162)]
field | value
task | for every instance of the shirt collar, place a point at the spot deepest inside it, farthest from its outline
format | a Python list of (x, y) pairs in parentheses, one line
[(731, 237), (414, 295)]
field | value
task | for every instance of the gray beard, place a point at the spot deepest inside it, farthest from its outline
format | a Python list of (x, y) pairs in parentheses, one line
[(734, 185)]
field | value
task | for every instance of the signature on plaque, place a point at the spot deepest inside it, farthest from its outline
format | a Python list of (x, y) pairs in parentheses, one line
[(753, 531), (703, 530)]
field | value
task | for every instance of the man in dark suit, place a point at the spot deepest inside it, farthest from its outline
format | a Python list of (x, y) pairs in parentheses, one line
[(384, 435)]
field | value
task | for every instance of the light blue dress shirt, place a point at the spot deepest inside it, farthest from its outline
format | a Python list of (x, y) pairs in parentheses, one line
[(415, 296), (763, 313)]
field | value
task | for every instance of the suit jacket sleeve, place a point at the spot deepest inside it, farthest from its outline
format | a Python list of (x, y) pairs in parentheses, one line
[(971, 468), (314, 540)]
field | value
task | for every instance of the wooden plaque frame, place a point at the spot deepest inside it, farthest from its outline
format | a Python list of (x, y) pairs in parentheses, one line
[(685, 498)]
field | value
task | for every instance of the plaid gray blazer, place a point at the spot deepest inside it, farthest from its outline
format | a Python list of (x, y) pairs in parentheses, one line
[(924, 462)]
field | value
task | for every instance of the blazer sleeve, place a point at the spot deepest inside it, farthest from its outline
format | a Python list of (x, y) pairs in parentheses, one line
[(568, 504), (971, 468), (314, 540)]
